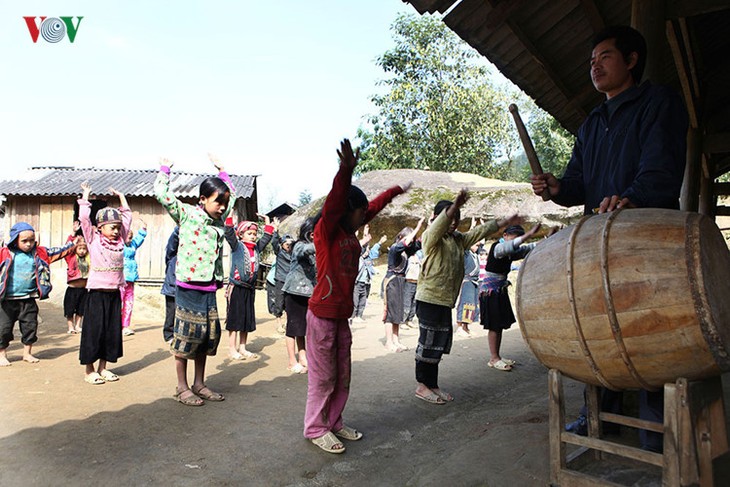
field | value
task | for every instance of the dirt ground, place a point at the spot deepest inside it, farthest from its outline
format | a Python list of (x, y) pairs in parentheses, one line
[(58, 430)]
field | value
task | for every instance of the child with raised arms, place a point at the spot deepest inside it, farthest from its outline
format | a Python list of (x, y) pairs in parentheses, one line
[(77, 273), (101, 335), (199, 274), (245, 256), (328, 338), (442, 272)]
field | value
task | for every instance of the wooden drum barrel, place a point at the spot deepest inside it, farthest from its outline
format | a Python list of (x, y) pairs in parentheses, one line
[(629, 299)]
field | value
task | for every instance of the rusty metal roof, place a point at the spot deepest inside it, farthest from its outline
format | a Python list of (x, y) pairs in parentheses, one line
[(66, 181)]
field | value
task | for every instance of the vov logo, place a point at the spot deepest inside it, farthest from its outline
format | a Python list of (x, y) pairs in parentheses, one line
[(53, 29)]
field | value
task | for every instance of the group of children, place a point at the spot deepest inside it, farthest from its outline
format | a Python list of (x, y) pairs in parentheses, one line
[(322, 291)]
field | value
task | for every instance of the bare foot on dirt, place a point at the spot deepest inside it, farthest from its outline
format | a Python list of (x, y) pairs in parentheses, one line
[(4, 362), (31, 359)]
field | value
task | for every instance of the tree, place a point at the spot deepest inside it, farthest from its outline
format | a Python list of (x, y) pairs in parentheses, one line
[(305, 197), (440, 110), (552, 142)]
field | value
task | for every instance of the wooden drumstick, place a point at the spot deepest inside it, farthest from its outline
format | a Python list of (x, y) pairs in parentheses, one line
[(529, 148)]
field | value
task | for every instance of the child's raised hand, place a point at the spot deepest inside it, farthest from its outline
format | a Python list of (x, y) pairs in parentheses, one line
[(348, 159), (216, 161), (461, 198), (510, 220), (366, 230), (164, 161), (86, 188), (382, 240), (275, 222), (532, 231), (265, 218)]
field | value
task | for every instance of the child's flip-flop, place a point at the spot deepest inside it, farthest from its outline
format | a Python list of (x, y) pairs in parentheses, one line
[(431, 398), (348, 433), (328, 442), (94, 379), (109, 376), (500, 365), (444, 395)]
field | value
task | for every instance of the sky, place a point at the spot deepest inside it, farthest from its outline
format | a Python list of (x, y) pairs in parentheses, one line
[(270, 86)]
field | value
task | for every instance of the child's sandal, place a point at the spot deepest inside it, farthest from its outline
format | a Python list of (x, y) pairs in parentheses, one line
[(189, 400), (205, 393)]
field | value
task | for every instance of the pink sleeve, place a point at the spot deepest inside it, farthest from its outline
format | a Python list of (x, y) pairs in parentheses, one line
[(126, 221), (85, 220)]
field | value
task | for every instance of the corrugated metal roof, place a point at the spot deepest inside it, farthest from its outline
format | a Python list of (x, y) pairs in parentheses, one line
[(66, 181)]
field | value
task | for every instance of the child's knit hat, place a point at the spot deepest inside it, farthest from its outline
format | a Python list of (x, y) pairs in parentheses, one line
[(245, 225), (107, 215), (16, 229)]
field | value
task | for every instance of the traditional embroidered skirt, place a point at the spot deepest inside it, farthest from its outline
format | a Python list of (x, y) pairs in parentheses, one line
[(435, 332), (197, 328)]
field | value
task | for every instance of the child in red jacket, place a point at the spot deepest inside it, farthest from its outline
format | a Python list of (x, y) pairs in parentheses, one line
[(76, 275), (328, 333)]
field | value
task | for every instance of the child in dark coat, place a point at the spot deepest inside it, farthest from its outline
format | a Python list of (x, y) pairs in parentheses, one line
[(241, 316)]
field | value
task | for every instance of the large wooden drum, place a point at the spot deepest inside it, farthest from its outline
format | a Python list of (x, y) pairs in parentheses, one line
[(630, 299)]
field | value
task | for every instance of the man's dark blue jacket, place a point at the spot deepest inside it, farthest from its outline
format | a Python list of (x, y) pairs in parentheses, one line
[(638, 153)]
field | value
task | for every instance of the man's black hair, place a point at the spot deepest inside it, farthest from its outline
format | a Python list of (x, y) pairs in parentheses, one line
[(627, 40)]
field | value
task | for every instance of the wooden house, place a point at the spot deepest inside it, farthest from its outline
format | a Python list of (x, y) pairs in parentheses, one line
[(46, 198)]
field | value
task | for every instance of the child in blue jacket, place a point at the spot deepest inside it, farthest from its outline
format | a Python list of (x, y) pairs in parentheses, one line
[(131, 274), (25, 275)]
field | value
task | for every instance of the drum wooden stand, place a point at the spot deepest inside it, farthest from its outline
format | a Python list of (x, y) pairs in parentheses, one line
[(694, 434)]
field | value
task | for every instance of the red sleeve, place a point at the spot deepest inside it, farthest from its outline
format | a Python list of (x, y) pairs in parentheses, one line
[(335, 205), (380, 201)]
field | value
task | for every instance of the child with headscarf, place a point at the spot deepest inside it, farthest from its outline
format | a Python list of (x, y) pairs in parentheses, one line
[(245, 256)]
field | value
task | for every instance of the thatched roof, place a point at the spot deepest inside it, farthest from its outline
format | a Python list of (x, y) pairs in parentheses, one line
[(490, 198)]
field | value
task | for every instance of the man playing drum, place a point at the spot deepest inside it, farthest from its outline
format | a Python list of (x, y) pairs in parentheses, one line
[(630, 152)]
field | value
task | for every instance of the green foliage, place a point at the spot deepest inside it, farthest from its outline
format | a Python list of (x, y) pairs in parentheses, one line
[(440, 110), (305, 197)]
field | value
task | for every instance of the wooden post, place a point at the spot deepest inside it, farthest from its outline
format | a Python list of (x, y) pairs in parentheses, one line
[(707, 196), (556, 421), (690, 196), (648, 17)]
